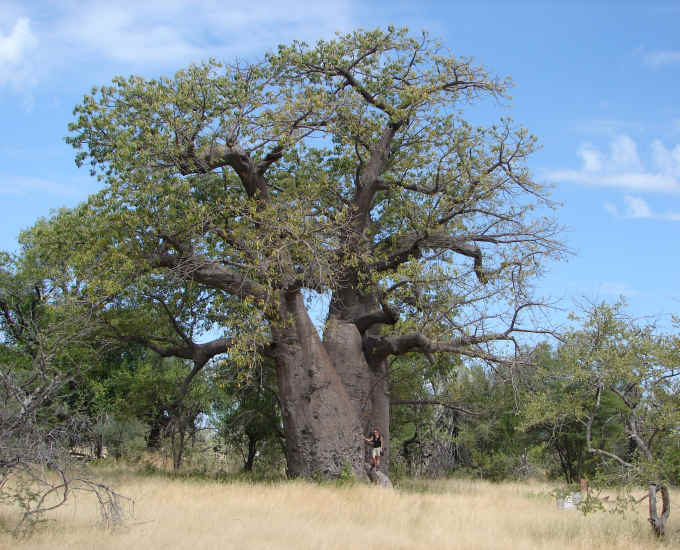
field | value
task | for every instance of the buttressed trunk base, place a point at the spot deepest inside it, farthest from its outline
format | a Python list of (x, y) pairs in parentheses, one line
[(322, 428), (365, 381)]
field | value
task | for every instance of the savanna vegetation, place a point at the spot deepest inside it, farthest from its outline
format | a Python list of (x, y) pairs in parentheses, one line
[(165, 324), (443, 514)]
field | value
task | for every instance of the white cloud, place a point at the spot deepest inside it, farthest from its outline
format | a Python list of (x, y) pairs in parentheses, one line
[(170, 33), (662, 57), (638, 208), (16, 67), (623, 154), (127, 33), (13, 46), (592, 159), (664, 160), (621, 167)]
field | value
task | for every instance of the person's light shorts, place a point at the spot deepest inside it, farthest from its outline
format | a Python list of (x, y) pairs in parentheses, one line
[(376, 451)]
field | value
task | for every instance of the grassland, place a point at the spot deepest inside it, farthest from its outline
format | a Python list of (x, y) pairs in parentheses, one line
[(453, 514)]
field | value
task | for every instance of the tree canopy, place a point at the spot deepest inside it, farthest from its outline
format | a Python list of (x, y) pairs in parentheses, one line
[(346, 169)]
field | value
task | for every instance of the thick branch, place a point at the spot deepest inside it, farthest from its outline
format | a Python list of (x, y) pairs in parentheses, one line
[(369, 180), (273, 156), (218, 156), (187, 349), (381, 347), (182, 351), (211, 274), (202, 353), (385, 315)]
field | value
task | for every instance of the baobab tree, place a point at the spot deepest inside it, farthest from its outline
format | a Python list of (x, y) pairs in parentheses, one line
[(344, 169)]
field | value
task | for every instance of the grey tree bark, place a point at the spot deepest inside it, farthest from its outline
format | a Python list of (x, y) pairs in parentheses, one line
[(659, 522), (366, 381), (322, 427)]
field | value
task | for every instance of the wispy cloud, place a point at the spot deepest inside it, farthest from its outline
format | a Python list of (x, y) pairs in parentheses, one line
[(660, 58), (169, 33), (16, 68), (638, 208), (139, 33), (607, 127), (621, 167)]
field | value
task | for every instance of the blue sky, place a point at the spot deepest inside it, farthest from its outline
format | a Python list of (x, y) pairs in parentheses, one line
[(596, 82)]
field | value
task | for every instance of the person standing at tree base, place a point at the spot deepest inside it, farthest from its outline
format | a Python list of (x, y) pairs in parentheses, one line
[(376, 442)]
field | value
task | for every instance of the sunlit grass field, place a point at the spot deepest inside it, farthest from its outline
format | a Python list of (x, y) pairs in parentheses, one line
[(200, 514)]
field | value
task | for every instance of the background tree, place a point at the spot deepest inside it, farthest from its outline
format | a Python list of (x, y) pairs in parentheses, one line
[(560, 434), (464, 417), (345, 168), (142, 404), (44, 346), (246, 412), (618, 380), (425, 419), (146, 313)]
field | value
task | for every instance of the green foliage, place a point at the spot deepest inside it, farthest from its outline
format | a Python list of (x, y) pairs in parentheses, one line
[(246, 414), (123, 437), (613, 382), (346, 477), (256, 168), (46, 346), (612, 385), (469, 420)]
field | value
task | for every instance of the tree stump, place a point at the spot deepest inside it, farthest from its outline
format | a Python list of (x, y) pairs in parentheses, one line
[(659, 523)]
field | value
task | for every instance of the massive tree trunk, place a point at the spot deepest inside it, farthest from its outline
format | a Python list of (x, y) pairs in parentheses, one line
[(322, 428), (365, 381)]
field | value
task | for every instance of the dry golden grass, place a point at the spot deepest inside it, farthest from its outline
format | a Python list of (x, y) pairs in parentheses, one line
[(197, 515)]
